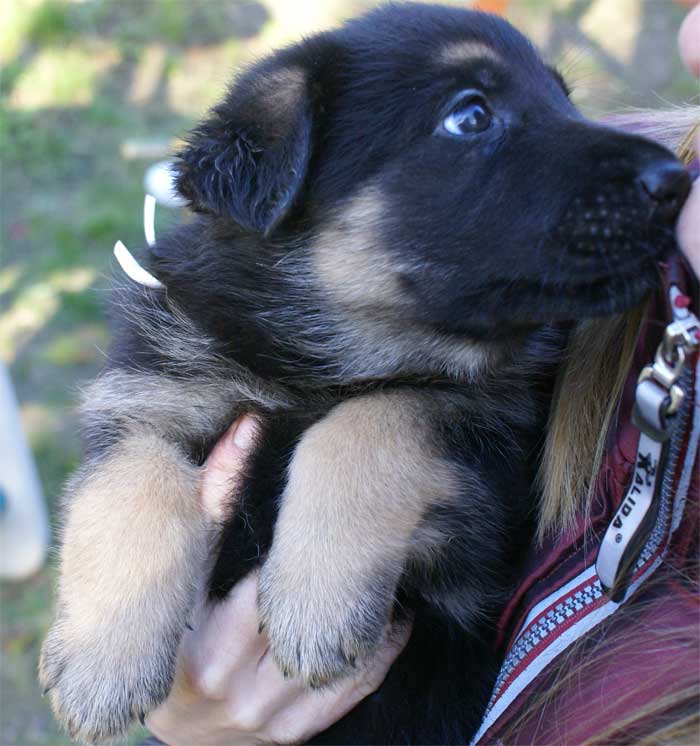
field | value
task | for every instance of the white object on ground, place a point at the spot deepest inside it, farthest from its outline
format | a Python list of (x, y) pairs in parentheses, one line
[(24, 527)]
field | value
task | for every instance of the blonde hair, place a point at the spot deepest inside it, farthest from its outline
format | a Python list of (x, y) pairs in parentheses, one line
[(597, 361), (675, 128)]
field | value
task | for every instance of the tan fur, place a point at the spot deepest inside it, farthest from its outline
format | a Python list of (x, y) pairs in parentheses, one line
[(176, 407), (349, 257), (461, 52), (136, 540), (374, 329), (278, 98), (359, 485), (155, 520), (135, 548), (185, 348)]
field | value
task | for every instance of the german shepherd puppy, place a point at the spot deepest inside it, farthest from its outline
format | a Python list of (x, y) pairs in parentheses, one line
[(394, 219)]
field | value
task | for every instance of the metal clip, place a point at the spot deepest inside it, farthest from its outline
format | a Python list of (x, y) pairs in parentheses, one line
[(658, 395)]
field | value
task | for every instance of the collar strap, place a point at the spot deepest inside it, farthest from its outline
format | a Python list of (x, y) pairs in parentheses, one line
[(126, 259), (133, 269)]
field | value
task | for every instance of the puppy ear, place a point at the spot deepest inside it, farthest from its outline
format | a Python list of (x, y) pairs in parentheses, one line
[(248, 160)]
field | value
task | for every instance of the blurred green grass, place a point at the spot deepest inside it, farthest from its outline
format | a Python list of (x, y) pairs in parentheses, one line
[(83, 83)]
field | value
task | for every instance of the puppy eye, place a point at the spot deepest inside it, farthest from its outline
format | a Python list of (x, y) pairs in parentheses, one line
[(469, 117)]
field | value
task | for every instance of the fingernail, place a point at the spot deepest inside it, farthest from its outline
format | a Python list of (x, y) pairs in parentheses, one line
[(244, 434)]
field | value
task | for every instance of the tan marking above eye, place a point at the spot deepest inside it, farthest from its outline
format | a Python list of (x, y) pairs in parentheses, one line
[(459, 52)]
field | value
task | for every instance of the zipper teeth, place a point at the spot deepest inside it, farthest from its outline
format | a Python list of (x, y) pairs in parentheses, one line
[(678, 437), (665, 518)]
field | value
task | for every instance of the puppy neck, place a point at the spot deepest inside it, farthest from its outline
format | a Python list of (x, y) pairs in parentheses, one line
[(269, 311)]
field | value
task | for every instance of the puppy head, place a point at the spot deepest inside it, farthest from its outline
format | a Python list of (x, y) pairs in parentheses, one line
[(437, 174)]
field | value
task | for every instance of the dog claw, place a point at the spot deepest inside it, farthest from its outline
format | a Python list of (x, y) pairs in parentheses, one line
[(46, 690), (189, 626), (125, 694), (142, 719), (261, 628)]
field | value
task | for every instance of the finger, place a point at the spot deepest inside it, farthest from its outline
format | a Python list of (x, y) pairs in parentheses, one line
[(186, 717), (689, 41), (395, 640), (224, 647), (259, 697), (314, 711), (204, 724), (224, 465), (227, 645), (373, 671), (225, 634)]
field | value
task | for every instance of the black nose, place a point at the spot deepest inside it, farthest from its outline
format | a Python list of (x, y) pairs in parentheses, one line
[(667, 184)]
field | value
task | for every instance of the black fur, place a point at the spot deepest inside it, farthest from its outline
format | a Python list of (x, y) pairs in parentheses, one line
[(502, 237)]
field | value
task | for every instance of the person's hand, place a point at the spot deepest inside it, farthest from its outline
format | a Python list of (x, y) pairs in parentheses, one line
[(227, 688), (689, 41), (688, 230)]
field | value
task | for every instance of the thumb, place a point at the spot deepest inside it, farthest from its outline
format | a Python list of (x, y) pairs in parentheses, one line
[(689, 41), (225, 465)]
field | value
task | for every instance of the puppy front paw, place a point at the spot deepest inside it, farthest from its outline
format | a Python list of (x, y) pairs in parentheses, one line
[(319, 626), (133, 558), (359, 484), (100, 680)]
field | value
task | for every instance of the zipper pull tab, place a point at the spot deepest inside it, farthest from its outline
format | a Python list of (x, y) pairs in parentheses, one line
[(633, 522)]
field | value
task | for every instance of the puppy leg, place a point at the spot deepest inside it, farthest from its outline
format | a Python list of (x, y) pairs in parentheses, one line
[(134, 550), (359, 483)]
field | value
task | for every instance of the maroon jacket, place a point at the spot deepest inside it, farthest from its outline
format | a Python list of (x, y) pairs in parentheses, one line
[(622, 662)]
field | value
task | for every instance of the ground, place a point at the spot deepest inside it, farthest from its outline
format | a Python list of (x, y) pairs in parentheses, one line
[(94, 91)]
